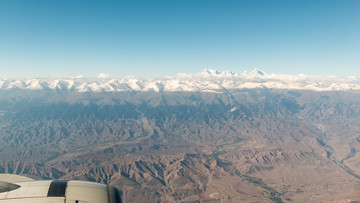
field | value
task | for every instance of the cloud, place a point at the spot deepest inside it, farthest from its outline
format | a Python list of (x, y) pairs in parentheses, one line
[(102, 76), (77, 77)]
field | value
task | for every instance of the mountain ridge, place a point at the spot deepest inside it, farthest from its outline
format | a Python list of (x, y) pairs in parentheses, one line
[(207, 81), (245, 145)]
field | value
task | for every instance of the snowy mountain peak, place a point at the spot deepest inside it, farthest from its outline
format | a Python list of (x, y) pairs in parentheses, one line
[(255, 73), (215, 73), (210, 72), (207, 81)]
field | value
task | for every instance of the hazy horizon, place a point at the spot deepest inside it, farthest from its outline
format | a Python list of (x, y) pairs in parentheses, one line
[(103, 75)]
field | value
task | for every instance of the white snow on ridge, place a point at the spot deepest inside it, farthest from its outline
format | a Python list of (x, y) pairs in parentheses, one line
[(206, 81)]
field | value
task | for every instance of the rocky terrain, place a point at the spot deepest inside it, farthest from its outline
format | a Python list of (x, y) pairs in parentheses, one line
[(231, 145)]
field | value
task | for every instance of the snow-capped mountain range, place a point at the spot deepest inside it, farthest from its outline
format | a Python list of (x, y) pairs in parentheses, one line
[(206, 81)]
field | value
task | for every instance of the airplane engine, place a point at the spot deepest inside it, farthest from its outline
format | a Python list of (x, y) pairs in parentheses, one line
[(56, 191)]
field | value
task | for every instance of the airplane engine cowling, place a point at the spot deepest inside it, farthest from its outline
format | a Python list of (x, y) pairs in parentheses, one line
[(57, 191)]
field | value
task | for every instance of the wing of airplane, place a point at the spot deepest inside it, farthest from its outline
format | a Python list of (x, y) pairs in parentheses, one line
[(20, 189)]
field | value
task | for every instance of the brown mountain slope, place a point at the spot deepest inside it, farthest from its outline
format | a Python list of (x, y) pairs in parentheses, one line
[(239, 146)]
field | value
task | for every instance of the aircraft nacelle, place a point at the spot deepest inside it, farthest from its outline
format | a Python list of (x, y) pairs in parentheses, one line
[(19, 189)]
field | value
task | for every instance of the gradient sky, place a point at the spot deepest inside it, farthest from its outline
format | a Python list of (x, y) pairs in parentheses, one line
[(40, 38)]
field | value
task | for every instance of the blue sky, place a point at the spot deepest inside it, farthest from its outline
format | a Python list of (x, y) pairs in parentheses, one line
[(40, 38)]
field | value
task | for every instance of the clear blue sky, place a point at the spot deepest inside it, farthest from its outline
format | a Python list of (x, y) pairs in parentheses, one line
[(40, 38)]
